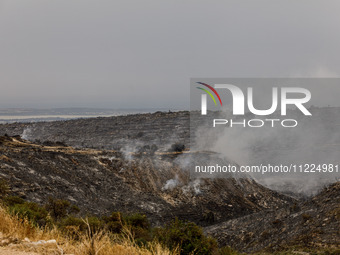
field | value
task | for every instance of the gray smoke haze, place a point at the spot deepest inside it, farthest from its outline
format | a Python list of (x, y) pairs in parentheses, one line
[(141, 54), (315, 140)]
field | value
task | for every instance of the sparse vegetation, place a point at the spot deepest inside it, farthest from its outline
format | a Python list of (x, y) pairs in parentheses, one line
[(36, 214), (72, 227), (101, 235), (188, 236), (88, 243)]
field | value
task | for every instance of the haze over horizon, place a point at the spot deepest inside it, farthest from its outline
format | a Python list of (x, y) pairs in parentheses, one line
[(132, 54)]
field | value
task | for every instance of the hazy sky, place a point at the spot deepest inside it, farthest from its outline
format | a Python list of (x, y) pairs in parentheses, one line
[(142, 54)]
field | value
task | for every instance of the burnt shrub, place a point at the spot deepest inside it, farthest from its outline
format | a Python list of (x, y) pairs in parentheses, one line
[(61, 144), (294, 208), (277, 223), (147, 149), (153, 148), (177, 147), (265, 235), (306, 217), (52, 143), (139, 134), (48, 143), (209, 217)]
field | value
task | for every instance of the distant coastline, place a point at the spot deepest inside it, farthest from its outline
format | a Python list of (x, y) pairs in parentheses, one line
[(11, 115)]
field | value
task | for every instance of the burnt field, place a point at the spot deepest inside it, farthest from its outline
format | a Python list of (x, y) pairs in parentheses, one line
[(135, 164)]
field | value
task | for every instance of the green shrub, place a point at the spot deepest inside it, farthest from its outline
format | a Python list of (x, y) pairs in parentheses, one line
[(226, 250), (74, 209), (72, 226), (137, 224), (187, 236), (137, 220), (114, 222), (4, 188), (13, 200), (72, 221), (95, 223), (58, 208), (32, 211)]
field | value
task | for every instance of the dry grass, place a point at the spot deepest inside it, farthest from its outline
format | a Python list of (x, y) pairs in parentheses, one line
[(100, 243), (12, 226)]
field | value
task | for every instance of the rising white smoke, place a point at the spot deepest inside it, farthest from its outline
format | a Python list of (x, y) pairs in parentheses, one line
[(27, 133), (316, 140), (171, 184)]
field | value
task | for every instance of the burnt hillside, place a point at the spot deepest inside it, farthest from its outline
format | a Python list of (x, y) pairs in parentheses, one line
[(314, 223), (103, 181), (160, 128)]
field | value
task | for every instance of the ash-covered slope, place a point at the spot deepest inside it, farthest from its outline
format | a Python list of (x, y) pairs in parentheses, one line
[(159, 128), (314, 223), (100, 182)]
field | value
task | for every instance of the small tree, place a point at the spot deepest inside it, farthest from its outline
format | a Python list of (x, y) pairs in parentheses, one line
[(187, 236), (58, 208)]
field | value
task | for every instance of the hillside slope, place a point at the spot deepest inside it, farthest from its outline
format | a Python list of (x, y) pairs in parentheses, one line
[(314, 223), (100, 182)]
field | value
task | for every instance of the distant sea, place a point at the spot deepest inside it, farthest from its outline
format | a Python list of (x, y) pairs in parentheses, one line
[(11, 115)]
